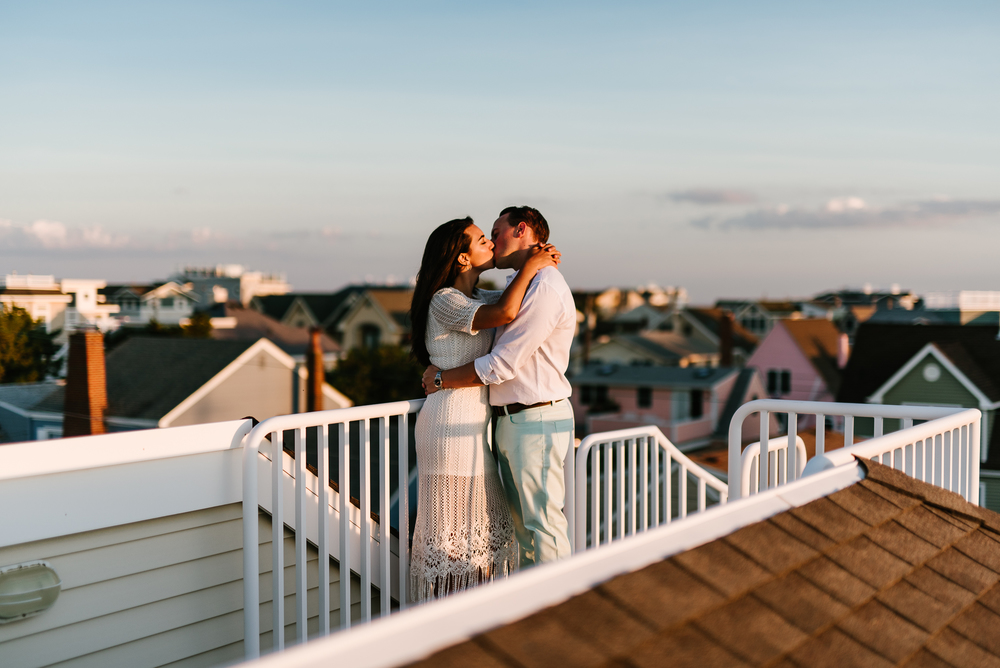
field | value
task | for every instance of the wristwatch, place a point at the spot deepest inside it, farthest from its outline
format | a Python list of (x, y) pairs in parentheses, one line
[(437, 380)]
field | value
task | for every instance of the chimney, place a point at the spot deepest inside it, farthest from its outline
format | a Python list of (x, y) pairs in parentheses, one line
[(314, 369), (86, 385), (726, 339), (843, 351)]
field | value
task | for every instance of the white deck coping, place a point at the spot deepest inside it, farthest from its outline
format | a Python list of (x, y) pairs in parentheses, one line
[(61, 455), (420, 631)]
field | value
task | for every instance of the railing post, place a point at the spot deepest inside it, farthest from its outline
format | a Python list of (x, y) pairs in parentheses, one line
[(569, 492), (403, 507), (974, 460), (344, 452), (301, 609), (277, 543), (251, 561), (323, 471), (364, 496)]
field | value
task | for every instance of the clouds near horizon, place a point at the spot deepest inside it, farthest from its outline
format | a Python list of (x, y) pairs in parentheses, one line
[(710, 196), (855, 212)]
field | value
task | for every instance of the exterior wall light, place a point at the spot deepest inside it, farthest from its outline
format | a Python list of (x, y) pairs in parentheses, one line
[(26, 590)]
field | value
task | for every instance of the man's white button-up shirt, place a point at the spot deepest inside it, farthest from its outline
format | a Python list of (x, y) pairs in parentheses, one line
[(531, 354)]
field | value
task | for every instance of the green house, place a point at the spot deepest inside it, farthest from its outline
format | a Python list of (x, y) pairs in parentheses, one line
[(932, 365)]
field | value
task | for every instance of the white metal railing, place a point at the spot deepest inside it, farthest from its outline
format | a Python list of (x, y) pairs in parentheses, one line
[(628, 482), (821, 410), (618, 484), (786, 463), (373, 426), (943, 452)]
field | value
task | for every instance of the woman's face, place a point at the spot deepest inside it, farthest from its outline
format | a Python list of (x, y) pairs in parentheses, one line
[(480, 249)]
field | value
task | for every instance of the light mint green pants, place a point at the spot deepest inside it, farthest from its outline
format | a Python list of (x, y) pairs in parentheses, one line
[(532, 446)]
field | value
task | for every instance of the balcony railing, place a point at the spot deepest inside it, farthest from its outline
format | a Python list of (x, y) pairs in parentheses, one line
[(618, 484), (372, 434), (839, 414), (629, 480)]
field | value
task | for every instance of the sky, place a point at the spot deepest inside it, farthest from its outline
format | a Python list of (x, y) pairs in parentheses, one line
[(735, 149)]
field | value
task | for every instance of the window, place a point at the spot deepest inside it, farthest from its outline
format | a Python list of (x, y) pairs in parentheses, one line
[(697, 404), (167, 302), (681, 405), (370, 336), (644, 397), (779, 382), (601, 394), (586, 395)]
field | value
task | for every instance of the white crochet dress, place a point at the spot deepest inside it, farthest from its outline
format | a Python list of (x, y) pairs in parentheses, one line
[(464, 534)]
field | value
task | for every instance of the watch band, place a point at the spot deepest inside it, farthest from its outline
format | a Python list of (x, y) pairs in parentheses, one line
[(438, 383)]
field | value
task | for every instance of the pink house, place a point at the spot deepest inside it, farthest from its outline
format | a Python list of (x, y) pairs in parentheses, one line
[(689, 405), (801, 360)]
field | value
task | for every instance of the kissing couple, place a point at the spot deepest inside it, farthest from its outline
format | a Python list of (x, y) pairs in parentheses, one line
[(490, 354)]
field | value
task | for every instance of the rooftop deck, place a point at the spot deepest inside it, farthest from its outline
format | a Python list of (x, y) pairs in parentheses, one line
[(165, 545)]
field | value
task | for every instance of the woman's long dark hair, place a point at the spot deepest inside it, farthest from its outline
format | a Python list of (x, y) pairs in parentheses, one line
[(438, 269)]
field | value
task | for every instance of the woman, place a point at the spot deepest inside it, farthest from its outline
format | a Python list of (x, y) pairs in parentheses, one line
[(464, 534)]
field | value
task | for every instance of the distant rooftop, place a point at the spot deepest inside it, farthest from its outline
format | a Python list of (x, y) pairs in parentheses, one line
[(963, 300)]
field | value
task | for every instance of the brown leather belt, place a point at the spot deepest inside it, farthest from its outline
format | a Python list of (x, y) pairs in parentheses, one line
[(513, 409)]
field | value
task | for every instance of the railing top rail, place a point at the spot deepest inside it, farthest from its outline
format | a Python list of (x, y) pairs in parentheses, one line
[(693, 468), (617, 435), (333, 416), (830, 408), (893, 440)]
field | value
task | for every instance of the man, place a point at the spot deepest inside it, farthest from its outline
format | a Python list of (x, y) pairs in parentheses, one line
[(529, 391)]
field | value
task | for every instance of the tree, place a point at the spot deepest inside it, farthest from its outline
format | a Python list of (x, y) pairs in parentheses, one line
[(199, 327), (378, 375), (26, 349)]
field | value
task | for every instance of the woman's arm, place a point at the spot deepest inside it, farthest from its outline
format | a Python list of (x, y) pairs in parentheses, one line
[(505, 310)]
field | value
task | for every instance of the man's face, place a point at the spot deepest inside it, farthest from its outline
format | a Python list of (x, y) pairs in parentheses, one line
[(507, 240)]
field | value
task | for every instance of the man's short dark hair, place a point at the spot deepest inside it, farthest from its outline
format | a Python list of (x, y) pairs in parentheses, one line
[(530, 217)]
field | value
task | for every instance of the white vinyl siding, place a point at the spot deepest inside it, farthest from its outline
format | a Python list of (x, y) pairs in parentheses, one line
[(164, 591)]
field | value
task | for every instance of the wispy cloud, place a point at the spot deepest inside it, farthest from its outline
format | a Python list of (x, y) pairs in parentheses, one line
[(710, 196), (850, 212), (54, 235)]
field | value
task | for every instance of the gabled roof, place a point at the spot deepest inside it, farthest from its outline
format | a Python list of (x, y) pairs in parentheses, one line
[(327, 308), (252, 325), (645, 345), (677, 344), (134, 288), (29, 396), (275, 306), (396, 302), (881, 350), (710, 317), (886, 571), (818, 339), (149, 376), (652, 376)]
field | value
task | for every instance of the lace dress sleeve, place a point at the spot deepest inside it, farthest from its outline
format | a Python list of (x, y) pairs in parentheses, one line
[(454, 310)]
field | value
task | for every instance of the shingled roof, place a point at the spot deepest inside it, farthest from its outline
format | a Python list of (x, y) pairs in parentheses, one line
[(149, 376), (252, 325), (818, 339), (888, 571)]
